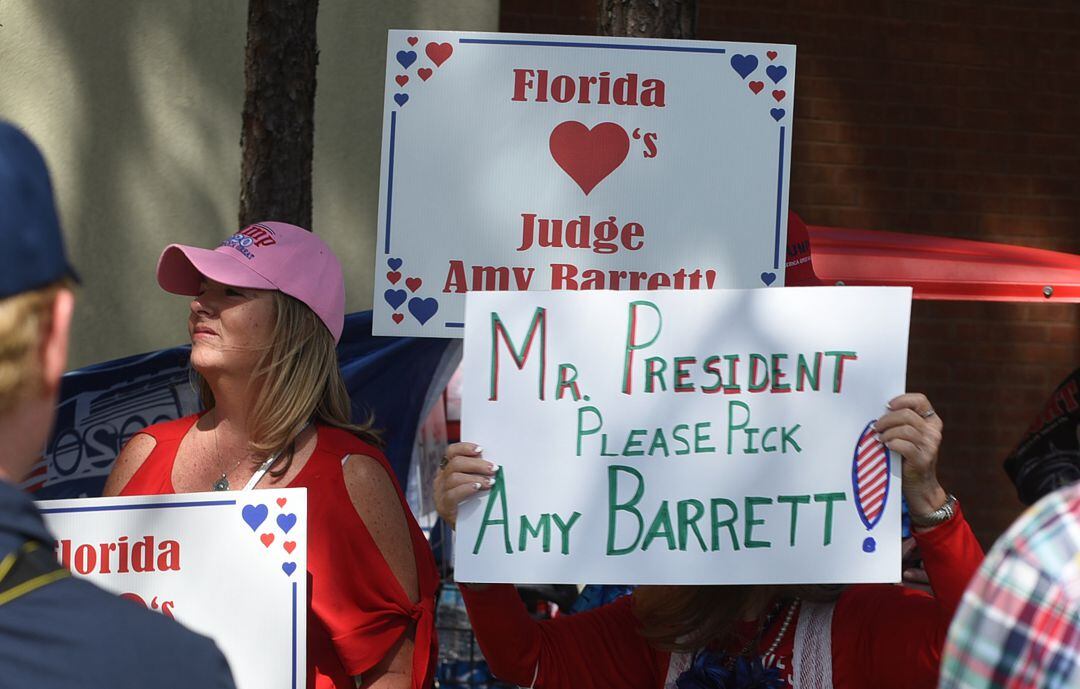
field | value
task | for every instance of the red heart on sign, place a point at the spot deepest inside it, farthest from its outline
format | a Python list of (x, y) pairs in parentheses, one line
[(413, 283), (756, 86), (289, 546), (424, 73), (393, 276), (267, 539), (771, 54), (779, 95), (402, 79), (589, 155), (412, 40), (398, 317), (281, 502), (439, 52)]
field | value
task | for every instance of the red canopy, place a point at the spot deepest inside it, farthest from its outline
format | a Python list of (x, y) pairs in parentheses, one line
[(936, 267)]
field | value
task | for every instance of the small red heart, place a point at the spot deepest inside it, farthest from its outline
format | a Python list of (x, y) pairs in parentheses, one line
[(412, 40), (424, 73), (393, 276), (588, 156), (281, 502), (756, 86), (289, 546), (413, 283), (402, 79), (439, 52), (771, 54), (398, 317), (779, 95), (267, 539)]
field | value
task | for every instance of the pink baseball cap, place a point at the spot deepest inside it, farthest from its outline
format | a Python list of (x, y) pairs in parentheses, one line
[(266, 255)]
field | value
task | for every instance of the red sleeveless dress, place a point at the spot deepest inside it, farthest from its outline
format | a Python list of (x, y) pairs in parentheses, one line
[(357, 609)]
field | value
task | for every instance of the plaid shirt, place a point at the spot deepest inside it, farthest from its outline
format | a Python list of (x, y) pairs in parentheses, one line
[(1019, 622)]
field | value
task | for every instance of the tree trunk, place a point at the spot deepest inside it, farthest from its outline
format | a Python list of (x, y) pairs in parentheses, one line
[(648, 18), (278, 132)]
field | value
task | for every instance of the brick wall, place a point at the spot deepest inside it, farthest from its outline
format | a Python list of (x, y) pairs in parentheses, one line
[(946, 117)]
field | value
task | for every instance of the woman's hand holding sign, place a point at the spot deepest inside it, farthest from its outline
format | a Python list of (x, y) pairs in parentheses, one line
[(913, 429), (462, 473)]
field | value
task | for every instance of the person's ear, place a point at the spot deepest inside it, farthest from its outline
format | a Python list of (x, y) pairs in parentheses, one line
[(54, 342)]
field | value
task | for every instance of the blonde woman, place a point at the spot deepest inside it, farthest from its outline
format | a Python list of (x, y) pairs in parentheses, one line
[(267, 312)]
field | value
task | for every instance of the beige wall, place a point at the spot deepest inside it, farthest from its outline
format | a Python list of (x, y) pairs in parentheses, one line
[(136, 104)]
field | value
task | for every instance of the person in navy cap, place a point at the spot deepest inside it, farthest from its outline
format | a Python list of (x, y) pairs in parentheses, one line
[(57, 630)]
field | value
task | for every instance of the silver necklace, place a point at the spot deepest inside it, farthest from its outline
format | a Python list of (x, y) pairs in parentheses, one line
[(223, 482)]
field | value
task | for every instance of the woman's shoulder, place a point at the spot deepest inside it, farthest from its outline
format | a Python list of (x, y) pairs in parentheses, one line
[(383, 525), (343, 460), (368, 476), (134, 472), (341, 442)]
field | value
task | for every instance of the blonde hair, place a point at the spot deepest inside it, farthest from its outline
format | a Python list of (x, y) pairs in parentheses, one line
[(298, 380), (24, 318)]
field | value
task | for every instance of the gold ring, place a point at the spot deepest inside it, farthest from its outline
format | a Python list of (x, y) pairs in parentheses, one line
[(443, 462)]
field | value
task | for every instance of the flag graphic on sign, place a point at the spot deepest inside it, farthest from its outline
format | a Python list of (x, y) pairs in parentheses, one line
[(870, 480)]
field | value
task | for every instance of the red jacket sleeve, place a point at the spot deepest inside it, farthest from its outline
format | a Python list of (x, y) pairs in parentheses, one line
[(598, 649), (889, 636)]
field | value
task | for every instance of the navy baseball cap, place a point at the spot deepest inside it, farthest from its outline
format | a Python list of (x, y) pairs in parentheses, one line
[(31, 246)]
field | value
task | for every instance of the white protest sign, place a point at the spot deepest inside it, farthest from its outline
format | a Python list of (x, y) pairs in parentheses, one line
[(229, 565), (710, 437), (521, 162)]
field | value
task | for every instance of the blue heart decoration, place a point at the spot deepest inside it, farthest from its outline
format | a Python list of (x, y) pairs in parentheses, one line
[(777, 114), (744, 65), (423, 309), (768, 278), (254, 515), (286, 522), (395, 297), (776, 72), (394, 263), (288, 568), (405, 58), (401, 99)]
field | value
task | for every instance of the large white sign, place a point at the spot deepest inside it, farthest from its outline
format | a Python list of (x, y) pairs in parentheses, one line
[(684, 437), (231, 566), (520, 162)]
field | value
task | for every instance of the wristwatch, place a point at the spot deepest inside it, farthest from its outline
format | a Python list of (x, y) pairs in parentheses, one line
[(938, 516)]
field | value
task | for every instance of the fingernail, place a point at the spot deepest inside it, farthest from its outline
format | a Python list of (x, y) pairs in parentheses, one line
[(877, 437), (476, 486), (477, 449), (491, 481), (494, 467), (888, 405)]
